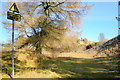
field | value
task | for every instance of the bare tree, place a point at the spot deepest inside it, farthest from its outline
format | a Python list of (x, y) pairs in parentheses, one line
[(46, 22), (101, 37)]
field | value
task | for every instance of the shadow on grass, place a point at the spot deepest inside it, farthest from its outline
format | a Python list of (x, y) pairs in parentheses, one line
[(82, 68), (7, 63), (69, 67)]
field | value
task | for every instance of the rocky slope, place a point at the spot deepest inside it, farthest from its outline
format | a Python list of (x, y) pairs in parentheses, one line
[(111, 47)]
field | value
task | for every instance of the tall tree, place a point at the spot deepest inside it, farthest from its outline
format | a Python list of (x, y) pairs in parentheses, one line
[(46, 22)]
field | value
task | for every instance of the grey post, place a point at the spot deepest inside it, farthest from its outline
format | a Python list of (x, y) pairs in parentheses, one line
[(13, 48), (118, 18)]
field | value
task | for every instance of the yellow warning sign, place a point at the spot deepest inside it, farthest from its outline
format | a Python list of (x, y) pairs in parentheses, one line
[(14, 8), (13, 16)]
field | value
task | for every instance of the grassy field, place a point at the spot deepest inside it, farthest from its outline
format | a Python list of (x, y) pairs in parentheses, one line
[(84, 68), (68, 67)]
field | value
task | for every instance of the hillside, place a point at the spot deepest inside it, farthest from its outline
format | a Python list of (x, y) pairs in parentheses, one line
[(111, 47)]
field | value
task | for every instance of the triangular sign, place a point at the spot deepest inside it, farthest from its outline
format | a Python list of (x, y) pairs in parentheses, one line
[(14, 8)]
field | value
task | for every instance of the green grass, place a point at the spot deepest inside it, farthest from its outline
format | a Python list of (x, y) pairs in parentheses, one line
[(7, 62), (66, 68), (84, 68)]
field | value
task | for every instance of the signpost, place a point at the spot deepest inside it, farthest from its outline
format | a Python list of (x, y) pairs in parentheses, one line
[(118, 18), (13, 14)]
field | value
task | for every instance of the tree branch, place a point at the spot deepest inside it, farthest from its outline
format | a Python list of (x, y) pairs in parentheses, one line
[(57, 4), (30, 26), (26, 34)]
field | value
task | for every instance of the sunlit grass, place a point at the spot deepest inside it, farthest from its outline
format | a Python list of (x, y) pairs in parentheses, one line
[(37, 74), (68, 67)]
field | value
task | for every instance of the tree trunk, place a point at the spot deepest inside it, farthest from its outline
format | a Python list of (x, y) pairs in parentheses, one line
[(39, 48), (39, 52)]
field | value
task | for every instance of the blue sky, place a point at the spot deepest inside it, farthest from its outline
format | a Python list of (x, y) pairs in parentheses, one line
[(100, 19)]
